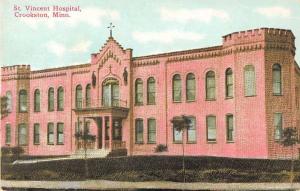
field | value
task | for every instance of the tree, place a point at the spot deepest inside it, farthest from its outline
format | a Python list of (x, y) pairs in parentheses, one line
[(289, 139), (86, 137), (180, 124)]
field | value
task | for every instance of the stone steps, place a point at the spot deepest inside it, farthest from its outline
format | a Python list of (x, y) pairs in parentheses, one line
[(91, 153)]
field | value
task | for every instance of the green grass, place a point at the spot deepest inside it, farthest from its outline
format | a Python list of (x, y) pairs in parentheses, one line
[(150, 168)]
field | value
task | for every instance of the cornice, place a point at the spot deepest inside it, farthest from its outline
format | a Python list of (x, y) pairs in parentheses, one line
[(47, 75), (145, 63), (83, 71)]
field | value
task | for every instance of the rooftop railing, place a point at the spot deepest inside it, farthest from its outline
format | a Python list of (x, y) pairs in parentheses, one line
[(97, 103)]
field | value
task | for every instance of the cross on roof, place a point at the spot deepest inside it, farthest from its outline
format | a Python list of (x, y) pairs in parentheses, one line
[(110, 27)]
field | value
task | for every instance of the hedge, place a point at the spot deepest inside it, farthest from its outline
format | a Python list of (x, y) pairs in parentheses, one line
[(148, 168)]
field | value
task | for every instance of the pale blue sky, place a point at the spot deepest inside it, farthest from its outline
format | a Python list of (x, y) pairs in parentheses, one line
[(146, 26)]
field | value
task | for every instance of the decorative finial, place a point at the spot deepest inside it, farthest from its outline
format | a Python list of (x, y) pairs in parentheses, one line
[(110, 27)]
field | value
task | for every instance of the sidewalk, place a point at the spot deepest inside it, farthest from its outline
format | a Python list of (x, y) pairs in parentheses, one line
[(112, 185)]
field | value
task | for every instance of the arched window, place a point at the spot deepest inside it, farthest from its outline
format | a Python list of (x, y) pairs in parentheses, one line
[(51, 99), (249, 80), (110, 92), (229, 83), (88, 95), (151, 91), (176, 88), (23, 101), (276, 73), (190, 87), (9, 101), (210, 85), (78, 97), (37, 100), (60, 99), (139, 92)]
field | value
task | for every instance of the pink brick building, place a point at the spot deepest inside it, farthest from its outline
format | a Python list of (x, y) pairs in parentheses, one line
[(238, 96)]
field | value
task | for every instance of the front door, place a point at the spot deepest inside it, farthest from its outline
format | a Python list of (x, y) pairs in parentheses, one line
[(117, 129)]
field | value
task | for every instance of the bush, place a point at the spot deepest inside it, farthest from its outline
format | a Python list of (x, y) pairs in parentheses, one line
[(11, 153), (5, 151), (17, 151), (161, 148)]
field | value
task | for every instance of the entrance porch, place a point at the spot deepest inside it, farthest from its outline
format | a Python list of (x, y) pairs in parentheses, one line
[(100, 129)]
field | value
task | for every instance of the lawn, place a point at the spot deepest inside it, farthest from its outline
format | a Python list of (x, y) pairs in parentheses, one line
[(150, 168)]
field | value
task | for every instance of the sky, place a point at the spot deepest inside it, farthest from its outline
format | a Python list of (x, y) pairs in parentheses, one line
[(148, 27)]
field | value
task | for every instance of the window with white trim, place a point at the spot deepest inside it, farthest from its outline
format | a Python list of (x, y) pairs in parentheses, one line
[(211, 128), (151, 130)]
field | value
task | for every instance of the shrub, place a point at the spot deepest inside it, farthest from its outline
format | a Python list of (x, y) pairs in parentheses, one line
[(17, 151), (11, 153), (221, 175), (5, 151), (161, 148), (47, 174)]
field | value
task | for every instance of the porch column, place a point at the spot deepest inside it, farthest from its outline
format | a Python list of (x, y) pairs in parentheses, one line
[(103, 132), (110, 132)]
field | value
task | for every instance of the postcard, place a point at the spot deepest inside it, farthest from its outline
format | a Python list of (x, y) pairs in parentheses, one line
[(135, 95)]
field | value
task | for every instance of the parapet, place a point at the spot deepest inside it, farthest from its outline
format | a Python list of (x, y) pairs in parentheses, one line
[(256, 35), (16, 69)]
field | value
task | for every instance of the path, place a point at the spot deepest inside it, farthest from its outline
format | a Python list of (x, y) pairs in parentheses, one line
[(111, 185)]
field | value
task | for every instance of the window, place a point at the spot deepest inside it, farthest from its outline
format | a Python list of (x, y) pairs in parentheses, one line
[(51, 99), (191, 131), (151, 131), (176, 88), (139, 92), (249, 80), (229, 128), (23, 101), (36, 133), (7, 134), (210, 85), (88, 96), (151, 91), (78, 127), (50, 134), (60, 133), (177, 134), (229, 83), (9, 101), (211, 128), (37, 100), (190, 87), (297, 98), (276, 73), (278, 125), (60, 99), (139, 131), (78, 97), (110, 92), (87, 127), (22, 132)]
